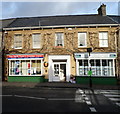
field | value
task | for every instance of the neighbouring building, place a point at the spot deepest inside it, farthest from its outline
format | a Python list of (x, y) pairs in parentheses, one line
[(54, 48), (117, 19), (3, 23)]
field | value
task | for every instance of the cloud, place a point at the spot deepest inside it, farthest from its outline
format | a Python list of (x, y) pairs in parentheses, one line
[(32, 9), (8, 9)]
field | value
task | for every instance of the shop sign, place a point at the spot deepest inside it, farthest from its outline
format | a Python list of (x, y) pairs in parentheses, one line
[(95, 55), (45, 64), (113, 55), (24, 56), (77, 55)]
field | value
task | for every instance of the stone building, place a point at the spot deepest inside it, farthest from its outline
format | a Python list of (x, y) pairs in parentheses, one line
[(3, 23), (54, 48)]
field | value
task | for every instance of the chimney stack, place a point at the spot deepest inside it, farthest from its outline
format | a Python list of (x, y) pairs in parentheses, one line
[(102, 10)]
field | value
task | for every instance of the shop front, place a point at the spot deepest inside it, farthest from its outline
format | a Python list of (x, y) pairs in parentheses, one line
[(102, 66), (25, 67)]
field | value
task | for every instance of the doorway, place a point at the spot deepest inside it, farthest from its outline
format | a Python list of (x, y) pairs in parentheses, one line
[(59, 68), (59, 72)]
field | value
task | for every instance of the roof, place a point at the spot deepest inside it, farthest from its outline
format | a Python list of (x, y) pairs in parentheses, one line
[(60, 20), (5, 23), (115, 18)]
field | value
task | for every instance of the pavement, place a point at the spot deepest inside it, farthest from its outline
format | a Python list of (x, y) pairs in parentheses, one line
[(57, 85)]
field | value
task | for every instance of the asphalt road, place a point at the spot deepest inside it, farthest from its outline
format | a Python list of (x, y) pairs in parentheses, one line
[(19, 99)]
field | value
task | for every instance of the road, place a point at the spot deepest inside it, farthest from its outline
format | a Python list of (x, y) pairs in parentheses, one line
[(21, 99)]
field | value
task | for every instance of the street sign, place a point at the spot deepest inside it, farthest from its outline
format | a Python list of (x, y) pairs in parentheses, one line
[(89, 49), (89, 72)]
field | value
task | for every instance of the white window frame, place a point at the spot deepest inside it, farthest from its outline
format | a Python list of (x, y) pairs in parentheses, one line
[(15, 42), (101, 67), (102, 39), (33, 43), (56, 39), (85, 33), (30, 66)]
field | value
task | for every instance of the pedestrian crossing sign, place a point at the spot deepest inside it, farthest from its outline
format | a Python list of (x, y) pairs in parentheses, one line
[(90, 72)]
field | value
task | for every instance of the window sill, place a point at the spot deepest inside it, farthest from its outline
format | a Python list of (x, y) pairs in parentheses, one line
[(36, 48), (102, 47), (18, 48), (58, 47), (83, 47)]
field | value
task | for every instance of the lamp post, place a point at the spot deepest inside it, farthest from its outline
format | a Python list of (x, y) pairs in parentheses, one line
[(89, 50)]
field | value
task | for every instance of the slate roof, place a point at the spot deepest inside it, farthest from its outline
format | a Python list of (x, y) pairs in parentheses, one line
[(60, 20), (5, 23), (115, 18)]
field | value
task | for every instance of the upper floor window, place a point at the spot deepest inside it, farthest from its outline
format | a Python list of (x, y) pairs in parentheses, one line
[(82, 39), (36, 40), (59, 39), (103, 39), (18, 41)]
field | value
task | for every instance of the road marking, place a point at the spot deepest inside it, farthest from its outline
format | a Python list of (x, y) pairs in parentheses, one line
[(6, 95), (88, 103), (106, 92), (93, 109), (118, 104), (115, 99), (79, 96), (108, 95), (86, 99), (30, 97), (113, 95), (61, 99), (110, 92), (83, 95)]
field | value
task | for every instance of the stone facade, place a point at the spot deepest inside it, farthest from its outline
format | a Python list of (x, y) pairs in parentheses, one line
[(70, 43)]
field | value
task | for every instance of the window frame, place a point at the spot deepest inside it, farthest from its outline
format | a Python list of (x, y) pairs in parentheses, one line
[(102, 39), (41, 59), (33, 44), (21, 41), (79, 39), (110, 73), (56, 44)]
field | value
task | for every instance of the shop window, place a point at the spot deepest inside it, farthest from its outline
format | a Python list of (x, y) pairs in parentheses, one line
[(99, 67), (83, 67), (18, 41), (25, 67), (82, 37), (59, 39), (35, 67)]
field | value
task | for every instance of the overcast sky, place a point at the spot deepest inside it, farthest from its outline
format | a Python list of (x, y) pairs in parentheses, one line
[(32, 9)]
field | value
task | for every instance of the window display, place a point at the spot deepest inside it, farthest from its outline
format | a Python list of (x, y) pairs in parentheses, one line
[(25, 67), (100, 67)]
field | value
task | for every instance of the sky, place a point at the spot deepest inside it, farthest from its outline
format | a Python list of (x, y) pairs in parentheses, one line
[(32, 9)]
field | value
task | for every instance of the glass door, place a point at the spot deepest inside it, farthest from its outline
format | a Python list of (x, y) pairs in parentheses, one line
[(56, 70), (62, 72), (59, 72)]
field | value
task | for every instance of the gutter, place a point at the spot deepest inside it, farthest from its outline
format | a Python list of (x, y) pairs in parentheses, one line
[(60, 26)]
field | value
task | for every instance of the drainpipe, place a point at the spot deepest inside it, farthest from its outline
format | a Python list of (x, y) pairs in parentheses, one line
[(116, 50)]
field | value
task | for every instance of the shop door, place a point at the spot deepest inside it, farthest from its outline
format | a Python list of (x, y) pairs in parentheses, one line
[(59, 72)]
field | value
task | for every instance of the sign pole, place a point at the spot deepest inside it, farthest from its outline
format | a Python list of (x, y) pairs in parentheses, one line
[(90, 70)]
